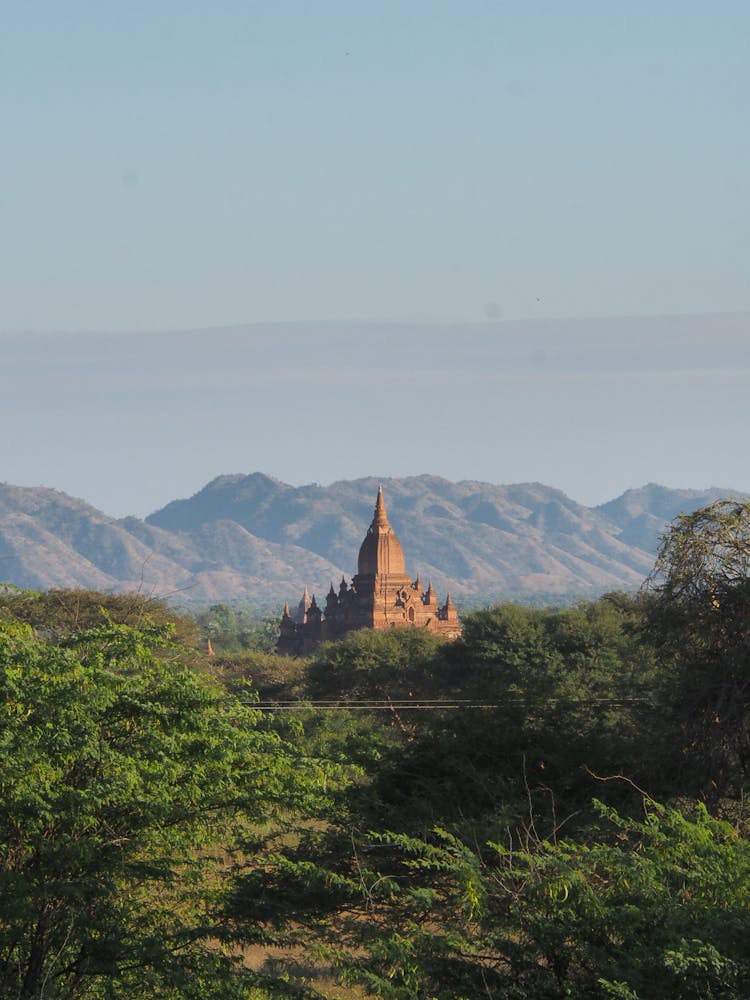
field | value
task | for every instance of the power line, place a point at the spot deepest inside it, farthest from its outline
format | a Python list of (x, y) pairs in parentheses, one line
[(431, 704)]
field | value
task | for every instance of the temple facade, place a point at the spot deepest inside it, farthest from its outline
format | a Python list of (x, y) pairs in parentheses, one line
[(382, 595)]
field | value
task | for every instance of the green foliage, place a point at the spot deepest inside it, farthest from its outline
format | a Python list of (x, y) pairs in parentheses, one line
[(152, 823), (271, 676), (234, 630), (656, 908), (700, 619), (56, 613), (122, 776), (589, 650), (397, 663), (626, 907), (220, 623), (566, 693)]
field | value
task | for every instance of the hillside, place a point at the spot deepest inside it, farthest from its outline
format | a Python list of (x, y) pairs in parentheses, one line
[(252, 538), (48, 539)]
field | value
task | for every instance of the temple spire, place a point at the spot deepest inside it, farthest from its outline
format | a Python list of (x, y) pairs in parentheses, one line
[(380, 553), (381, 517), (303, 607)]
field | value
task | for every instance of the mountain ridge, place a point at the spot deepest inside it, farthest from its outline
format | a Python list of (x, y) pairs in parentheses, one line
[(255, 539)]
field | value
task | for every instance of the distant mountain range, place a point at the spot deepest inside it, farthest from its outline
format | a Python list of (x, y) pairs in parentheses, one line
[(253, 539)]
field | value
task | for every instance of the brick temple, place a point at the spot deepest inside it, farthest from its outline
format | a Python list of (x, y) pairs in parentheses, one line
[(382, 595)]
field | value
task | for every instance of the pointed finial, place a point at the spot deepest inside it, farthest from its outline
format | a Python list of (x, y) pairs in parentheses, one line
[(448, 611), (380, 518)]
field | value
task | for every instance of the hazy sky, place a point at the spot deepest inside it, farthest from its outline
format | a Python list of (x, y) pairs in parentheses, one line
[(592, 407), (175, 163), (481, 176)]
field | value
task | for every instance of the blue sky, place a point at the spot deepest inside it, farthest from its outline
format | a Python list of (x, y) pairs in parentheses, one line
[(181, 164), (448, 173)]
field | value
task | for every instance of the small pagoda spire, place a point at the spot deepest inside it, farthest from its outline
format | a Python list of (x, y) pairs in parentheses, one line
[(313, 612), (314, 624), (448, 611), (287, 628), (332, 603), (303, 607)]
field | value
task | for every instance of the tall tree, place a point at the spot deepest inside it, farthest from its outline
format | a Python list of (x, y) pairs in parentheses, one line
[(120, 775), (701, 618)]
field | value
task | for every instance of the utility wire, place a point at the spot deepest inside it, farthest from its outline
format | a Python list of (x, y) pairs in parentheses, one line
[(426, 704)]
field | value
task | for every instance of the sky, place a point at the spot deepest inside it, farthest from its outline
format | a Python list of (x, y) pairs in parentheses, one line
[(486, 240)]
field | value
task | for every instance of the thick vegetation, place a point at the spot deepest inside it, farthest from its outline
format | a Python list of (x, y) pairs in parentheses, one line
[(551, 807), (126, 778)]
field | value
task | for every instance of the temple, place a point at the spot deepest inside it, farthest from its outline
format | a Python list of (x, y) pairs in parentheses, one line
[(382, 595)]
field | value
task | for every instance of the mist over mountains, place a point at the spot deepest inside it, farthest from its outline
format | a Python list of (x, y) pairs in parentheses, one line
[(593, 406), (253, 539)]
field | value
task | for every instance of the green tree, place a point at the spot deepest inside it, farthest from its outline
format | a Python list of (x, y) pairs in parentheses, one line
[(121, 777), (701, 621), (221, 626), (392, 664), (57, 613)]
